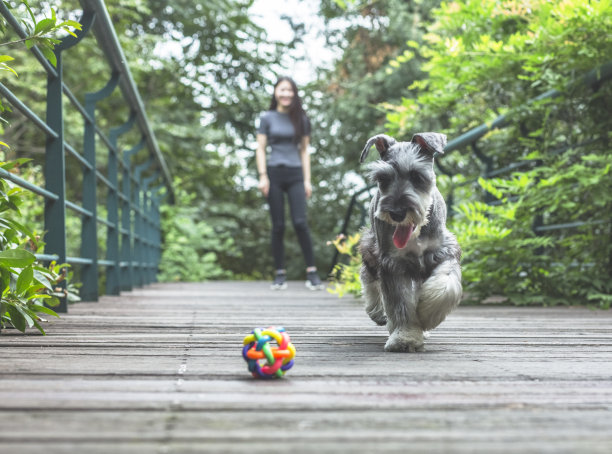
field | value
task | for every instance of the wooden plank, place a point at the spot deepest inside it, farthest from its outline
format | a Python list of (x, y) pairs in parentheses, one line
[(159, 370)]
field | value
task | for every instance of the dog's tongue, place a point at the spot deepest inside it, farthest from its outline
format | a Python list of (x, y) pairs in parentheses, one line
[(401, 235)]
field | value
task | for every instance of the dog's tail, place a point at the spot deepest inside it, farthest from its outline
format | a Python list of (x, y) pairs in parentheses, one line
[(440, 294)]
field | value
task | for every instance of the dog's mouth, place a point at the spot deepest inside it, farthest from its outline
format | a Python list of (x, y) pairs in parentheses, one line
[(402, 235)]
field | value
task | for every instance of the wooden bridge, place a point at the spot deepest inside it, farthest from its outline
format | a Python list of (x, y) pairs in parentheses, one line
[(159, 370)]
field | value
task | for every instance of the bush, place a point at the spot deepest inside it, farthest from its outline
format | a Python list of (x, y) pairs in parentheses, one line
[(24, 284), (487, 58), (345, 276), (190, 245)]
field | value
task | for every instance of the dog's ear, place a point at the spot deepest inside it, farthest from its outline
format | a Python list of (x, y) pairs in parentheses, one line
[(382, 142), (431, 143)]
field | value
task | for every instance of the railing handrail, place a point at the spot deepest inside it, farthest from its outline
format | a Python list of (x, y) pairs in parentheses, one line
[(107, 38), (133, 248), (591, 78)]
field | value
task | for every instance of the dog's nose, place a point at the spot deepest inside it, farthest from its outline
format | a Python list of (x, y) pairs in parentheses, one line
[(398, 215)]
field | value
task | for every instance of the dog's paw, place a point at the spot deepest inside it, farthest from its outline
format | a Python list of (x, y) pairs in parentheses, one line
[(378, 317), (406, 340)]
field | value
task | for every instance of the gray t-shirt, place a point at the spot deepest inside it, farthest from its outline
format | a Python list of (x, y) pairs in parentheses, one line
[(280, 132)]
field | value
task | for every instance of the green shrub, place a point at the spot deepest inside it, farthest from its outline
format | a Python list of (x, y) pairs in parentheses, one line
[(487, 58), (24, 284), (190, 245), (345, 276)]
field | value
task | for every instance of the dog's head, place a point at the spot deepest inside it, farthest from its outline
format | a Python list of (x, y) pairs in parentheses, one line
[(406, 181)]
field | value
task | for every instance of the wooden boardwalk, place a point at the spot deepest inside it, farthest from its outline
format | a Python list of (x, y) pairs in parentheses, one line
[(159, 370)]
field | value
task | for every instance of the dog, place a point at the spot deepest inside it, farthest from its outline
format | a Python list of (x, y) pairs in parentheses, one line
[(411, 273)]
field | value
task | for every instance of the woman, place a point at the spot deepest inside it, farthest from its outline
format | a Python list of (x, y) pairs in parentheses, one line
[(286, 129)]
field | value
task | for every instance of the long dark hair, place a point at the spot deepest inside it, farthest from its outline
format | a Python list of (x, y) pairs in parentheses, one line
[(297, 115)]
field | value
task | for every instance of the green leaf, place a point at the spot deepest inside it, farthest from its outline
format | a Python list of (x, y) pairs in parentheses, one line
[(44, 26), (40, 328), (5, 279), (4, 58), (38, 296), (53, 301), (17, 318), (49, 54), (18, 228), (43, 280), (18, 258), (12, 164), (71, 23), (24, 280), (44, 309), (30, 11), (57, 268)]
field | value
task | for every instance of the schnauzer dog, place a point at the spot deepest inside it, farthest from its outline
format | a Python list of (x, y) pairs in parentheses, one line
[(410, 262)]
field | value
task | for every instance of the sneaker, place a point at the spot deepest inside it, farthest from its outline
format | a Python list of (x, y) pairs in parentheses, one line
[(280, 282), (313, 282)]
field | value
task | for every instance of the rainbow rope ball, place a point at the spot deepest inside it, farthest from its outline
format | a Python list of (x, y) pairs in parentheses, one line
[(278, 359)]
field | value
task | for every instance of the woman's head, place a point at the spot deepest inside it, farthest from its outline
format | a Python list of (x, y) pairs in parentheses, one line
[(287, 100), (285, 96)]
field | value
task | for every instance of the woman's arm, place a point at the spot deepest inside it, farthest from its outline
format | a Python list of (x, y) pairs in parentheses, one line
[(305, 157), (260, 158)]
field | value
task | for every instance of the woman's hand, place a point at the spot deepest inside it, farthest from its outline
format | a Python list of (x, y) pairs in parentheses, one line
[(308, 189), (264, 185)]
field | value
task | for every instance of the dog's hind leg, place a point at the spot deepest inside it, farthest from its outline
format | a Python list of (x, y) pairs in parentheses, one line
[(373, 299), (440, 294)]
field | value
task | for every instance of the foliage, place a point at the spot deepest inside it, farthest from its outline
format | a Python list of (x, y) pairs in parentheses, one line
[(345, 276), (191, 246), (40, 33), (487, 58), (24, 284)]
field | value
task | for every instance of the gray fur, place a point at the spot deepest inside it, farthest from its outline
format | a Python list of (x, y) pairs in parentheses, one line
[(409, 289)]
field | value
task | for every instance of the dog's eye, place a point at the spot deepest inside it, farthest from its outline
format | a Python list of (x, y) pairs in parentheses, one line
[(383, 182), (417, 178)]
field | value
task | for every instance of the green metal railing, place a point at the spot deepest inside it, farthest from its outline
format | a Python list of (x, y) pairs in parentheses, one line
[(360, 199), (132, 223)]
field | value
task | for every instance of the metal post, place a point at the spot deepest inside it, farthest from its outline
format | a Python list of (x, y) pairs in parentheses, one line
[(158, 229), (127, 234), (55, 162), (89, 233), (140, 224), (55, 175), (113, 270), (149, 209)]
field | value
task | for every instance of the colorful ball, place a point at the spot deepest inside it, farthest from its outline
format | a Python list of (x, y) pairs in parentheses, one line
[(278, 359)]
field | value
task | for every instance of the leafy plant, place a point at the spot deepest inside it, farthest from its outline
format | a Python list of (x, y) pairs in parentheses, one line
[(191, 246), (25, 285), (40, 33), (487, 58), (345, 276)]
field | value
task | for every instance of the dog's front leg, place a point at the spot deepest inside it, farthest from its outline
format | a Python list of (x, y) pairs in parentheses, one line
[(440, 294), (373, 297), (400, 302)]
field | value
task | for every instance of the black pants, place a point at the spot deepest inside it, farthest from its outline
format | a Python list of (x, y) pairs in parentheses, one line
[(288, 180)]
